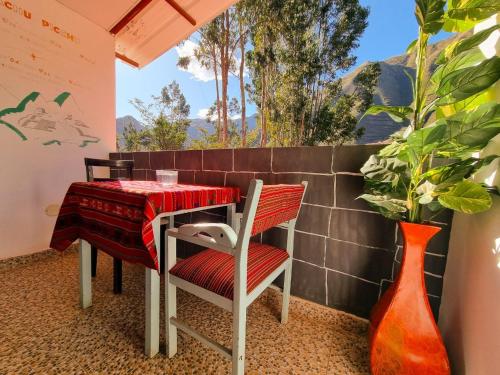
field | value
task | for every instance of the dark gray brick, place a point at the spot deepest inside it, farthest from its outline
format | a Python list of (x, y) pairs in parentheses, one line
[(347, 189), (240, 180), (313, 219), (218, 160), (141, 160), (303, 159), (350, 158), (252, 159), (350, 294), (308, 282), (307, 247), (363, 228), (367, 263), (209, 178), (189, 160), (162, 160)]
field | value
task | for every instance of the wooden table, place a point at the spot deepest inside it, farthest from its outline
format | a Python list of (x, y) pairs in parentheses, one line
[(122, 218)]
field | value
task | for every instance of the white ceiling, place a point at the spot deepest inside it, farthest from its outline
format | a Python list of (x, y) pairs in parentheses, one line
[(156, 29)]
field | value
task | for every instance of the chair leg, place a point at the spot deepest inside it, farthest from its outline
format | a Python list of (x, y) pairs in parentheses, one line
[(170, 298), (286, 293), (117, 276), (93, 260), (239, 332)]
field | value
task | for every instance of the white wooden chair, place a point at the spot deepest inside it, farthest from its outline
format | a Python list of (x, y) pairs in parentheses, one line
[(219, 273)]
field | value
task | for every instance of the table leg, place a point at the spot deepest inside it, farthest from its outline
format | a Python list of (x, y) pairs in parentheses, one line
[(117, 275), (170, 293), (85, 275), (152, 334), (231, 216)]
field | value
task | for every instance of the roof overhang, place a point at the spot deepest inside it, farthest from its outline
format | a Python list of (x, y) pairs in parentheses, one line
[(145, 29)]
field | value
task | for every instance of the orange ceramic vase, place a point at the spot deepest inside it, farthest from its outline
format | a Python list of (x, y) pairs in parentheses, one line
[(404, 338)]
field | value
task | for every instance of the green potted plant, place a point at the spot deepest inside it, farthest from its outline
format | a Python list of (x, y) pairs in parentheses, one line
[(427, 168)]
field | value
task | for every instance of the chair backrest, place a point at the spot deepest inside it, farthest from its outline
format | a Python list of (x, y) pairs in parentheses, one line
[(268, 206), (128, 165), (277, 204)]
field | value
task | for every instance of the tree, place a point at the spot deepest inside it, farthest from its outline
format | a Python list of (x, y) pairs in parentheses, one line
[(218, 42), (243, 30), (166, 118), (336, 119), (208, 139), (133, 139), (299, 49)]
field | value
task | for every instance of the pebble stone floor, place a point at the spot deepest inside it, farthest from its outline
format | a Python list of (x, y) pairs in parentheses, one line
[(44, 331)]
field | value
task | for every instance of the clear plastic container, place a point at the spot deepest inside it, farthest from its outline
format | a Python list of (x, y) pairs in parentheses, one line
[(166, 177)]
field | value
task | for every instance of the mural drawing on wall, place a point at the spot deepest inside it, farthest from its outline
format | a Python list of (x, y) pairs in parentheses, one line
[(48, 121), (50, 71)]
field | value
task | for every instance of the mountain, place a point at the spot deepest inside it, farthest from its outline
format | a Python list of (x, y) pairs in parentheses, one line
[(193, 132), (121, 122), (394, 88), (198, 123)]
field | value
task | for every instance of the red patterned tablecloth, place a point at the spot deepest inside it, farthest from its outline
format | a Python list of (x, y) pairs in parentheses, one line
[(116, 216)]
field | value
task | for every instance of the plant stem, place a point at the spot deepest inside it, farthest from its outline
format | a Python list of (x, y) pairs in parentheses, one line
[(419, 93), (415, 210)]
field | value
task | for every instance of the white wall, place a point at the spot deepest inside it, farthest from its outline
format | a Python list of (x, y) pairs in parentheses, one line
[(66, 63), (470, 309)]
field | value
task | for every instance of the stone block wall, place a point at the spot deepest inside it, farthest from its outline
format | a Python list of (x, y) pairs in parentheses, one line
[(345, 254)]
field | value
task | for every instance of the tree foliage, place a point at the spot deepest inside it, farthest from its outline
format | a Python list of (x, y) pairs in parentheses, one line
[(166, 119), (429, 164), (299, 48), (294, 52)]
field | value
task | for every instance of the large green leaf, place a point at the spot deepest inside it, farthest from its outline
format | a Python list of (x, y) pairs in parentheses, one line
[(468, 104), (467, 197), (446, 175), (456, 48), (463, 60), (475, 128), (398, 114), (386, 205), (384, 169), (411, 46), (425, 140), (462, 15), (466, 82), (430, 15), (476, 10)]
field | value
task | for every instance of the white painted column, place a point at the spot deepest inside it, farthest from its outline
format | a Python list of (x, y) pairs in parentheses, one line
[(469, 317)]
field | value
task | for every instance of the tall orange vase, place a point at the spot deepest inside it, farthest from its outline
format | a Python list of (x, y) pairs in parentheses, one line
[(404, 338)]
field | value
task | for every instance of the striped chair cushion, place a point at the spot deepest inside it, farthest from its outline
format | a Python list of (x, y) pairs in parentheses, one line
[(214, 270), (277, 204)]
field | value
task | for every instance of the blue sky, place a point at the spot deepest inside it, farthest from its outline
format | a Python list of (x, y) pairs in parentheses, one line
[(391, 27)]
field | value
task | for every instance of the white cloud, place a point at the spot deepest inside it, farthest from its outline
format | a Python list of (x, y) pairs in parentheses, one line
[(194, 68), (197, 71), (202, 113)]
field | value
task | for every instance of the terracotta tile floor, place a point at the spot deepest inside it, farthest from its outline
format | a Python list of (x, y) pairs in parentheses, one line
[(44, 331)]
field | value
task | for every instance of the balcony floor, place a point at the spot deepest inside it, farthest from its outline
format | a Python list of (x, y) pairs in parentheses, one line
[(44, 331)]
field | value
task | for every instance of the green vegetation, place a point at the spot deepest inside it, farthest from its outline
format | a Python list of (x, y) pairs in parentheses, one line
[(294, 52), (166, 121), (452, 118)]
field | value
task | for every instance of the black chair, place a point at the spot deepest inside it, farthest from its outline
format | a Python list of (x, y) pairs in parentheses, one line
[(125, 171)]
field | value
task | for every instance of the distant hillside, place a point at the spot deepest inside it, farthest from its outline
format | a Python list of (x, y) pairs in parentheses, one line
[(394, 88), (121, 122), (198, 123), (193, 130)]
